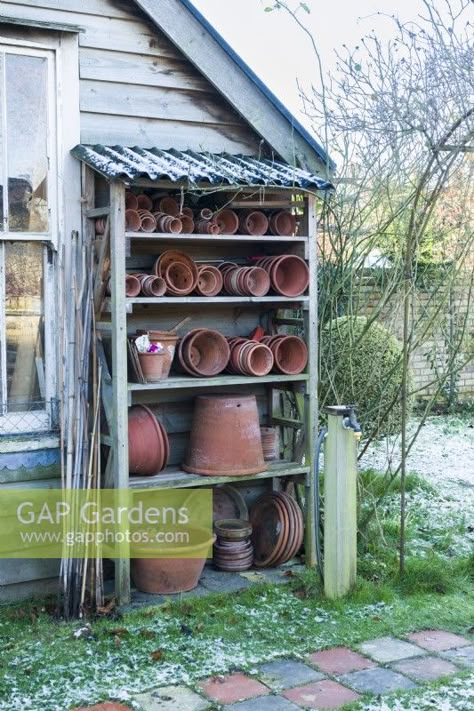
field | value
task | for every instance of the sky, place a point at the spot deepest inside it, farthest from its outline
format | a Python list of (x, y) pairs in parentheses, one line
[(280, 53)]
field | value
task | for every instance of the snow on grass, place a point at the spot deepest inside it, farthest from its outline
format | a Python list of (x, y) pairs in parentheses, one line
[(51, 670), (454, 695), (443, 453)]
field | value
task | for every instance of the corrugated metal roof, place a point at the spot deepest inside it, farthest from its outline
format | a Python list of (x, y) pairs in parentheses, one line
[(130, 164)]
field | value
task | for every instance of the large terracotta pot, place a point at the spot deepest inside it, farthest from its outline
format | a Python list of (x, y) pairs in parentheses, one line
[(165, 576), (225, 437)]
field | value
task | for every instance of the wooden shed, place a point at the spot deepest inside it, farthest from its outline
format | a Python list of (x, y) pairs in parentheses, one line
[(102, 96)]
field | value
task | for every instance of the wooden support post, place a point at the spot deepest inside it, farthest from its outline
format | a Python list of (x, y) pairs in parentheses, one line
[(311, 396), (119, 370), (340, 506)]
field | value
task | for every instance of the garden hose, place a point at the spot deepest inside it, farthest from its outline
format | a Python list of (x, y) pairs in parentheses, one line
[(317, 501)]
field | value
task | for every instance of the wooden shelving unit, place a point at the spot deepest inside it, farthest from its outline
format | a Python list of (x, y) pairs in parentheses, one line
[(172, 398)]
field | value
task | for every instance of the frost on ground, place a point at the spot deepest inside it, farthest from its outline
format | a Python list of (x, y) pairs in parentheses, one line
[(454, 695), (443, 455)]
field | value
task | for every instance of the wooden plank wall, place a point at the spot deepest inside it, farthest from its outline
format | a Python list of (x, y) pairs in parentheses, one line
[(135, 87)]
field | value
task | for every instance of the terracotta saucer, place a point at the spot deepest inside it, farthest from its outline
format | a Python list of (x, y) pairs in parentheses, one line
[(269, 529), (228, 502)]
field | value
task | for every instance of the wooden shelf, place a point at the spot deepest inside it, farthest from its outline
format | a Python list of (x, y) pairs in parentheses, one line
[(212, 300), (181, 381), (215, 239), (217, 300), (173, 478)]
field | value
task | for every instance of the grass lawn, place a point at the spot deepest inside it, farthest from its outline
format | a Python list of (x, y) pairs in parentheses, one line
[(52, 666)]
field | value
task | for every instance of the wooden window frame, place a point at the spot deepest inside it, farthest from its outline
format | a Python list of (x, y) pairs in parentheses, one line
[(40, 420)]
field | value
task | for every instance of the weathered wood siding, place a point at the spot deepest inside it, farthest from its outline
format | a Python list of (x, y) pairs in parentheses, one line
[(136, 88)]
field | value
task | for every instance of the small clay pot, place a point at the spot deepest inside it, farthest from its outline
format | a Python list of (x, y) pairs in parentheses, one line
[(167, 339), (132, 286), (228, 221), (282, 223), (171, 575), (179, 279), (206, 352), (253, 222), (257, 282), (207, 284), (289, 275), (291, 355), (258, 360), (131, 202), (167, 205), (133, 220), (152, 366), (144, 202), (148, 222), (172, 255), (225, 437), (153, 285), (187, 224)]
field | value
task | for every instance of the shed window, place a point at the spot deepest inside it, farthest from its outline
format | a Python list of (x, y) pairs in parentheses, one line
[(27, 238)]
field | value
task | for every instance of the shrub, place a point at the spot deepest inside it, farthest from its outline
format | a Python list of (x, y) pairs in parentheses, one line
[(361, 364)]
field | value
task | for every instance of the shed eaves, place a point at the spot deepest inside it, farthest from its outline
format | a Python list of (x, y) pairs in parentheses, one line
[(131, 164)]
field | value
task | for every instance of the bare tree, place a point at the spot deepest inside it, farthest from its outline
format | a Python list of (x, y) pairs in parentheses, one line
[(398, 117)]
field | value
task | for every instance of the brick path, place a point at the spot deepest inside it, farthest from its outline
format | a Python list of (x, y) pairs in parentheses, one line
[(328, 679)]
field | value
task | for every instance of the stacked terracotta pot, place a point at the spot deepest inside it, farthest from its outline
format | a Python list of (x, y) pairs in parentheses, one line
[(244, 281), (289, 274), (210, 280), (233, 550), (166, 215), (270, 443), (178, 271), (249, 357), (150, 284), (278, 529), (203, 353), (290, 353)]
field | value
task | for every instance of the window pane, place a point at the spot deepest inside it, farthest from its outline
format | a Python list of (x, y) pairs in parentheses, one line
[(27, 117), (24, 317)]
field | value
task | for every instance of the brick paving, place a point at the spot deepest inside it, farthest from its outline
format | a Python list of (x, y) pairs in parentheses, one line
[(328, 679)]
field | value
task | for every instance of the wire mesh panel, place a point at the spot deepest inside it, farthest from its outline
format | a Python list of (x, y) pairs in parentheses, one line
[(29, 417)]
